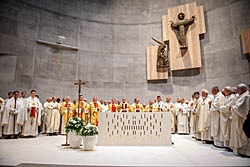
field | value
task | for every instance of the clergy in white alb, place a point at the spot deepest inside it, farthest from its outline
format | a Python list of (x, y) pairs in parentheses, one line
[(24, 100), (216, 132), (159, 105), (204, 120), (32, 116), (170, 107), (50, 117), (44, 115), (195, 110), (11, 117), (55, 118), (2, 104), (105, 106), (182, 117), (226, 113), (238, 140)]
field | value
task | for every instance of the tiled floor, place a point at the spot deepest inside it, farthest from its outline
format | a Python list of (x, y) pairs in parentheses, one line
[(48, 150)]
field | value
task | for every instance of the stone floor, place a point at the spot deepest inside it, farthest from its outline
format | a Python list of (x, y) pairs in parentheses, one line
[(48, 150)]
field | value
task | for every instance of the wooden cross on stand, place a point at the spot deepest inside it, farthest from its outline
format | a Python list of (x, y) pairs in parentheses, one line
[(79, 83)]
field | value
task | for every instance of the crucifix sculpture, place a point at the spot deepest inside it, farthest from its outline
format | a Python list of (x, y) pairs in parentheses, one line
[(182, 27), (79, 83)]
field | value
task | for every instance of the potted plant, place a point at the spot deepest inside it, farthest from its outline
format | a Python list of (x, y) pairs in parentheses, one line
[(89, 134), (73, 128)]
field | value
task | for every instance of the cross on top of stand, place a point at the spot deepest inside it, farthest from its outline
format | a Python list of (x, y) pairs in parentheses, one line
[(80, 83)]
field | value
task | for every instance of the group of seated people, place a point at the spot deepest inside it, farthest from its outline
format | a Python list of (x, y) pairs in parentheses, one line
[(215, 118)]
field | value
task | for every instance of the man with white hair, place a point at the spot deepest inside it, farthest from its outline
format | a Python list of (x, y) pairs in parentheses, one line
[(95, 108), (204, 121), (182, 117), (170, 107), (105, 106), (226, 115), (216, 132), (238, 140)]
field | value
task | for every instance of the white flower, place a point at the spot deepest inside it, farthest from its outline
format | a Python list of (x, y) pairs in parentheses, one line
[(88, 125)]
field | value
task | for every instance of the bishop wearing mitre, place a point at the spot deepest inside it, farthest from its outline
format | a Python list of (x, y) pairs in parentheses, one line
[(113, 107), (12, 120), (67, 109), (124, 105), (170, 107), (137, 106), (83, 111), (95, 108)]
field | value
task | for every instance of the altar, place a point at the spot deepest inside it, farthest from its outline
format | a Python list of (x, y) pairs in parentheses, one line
[(134, 129)]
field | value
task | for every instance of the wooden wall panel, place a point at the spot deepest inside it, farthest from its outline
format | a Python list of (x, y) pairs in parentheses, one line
[(152, 72), (245, 39), (191, 58)]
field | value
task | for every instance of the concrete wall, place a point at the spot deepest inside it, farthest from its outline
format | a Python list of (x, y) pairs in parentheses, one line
[(112, 36)]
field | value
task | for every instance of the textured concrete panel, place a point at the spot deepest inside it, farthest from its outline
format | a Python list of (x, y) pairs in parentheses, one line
[(139, 10), (51, 25), (8, 26), (93, 38), (55, 64), (131, 38), (25, 59), (240, 18)]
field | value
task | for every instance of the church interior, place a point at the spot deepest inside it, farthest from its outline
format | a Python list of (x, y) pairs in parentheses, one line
[(124, 83)]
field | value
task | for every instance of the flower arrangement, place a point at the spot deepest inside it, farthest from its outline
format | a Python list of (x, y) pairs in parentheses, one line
[(89, 130), (75, 124)]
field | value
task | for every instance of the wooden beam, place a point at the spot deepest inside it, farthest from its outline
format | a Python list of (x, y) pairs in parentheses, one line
[(56, 45), (245, 39), (154, 73)]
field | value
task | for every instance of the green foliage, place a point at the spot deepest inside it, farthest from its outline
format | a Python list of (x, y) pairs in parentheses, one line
[(89, 130), (75, 124), (78, 125)]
